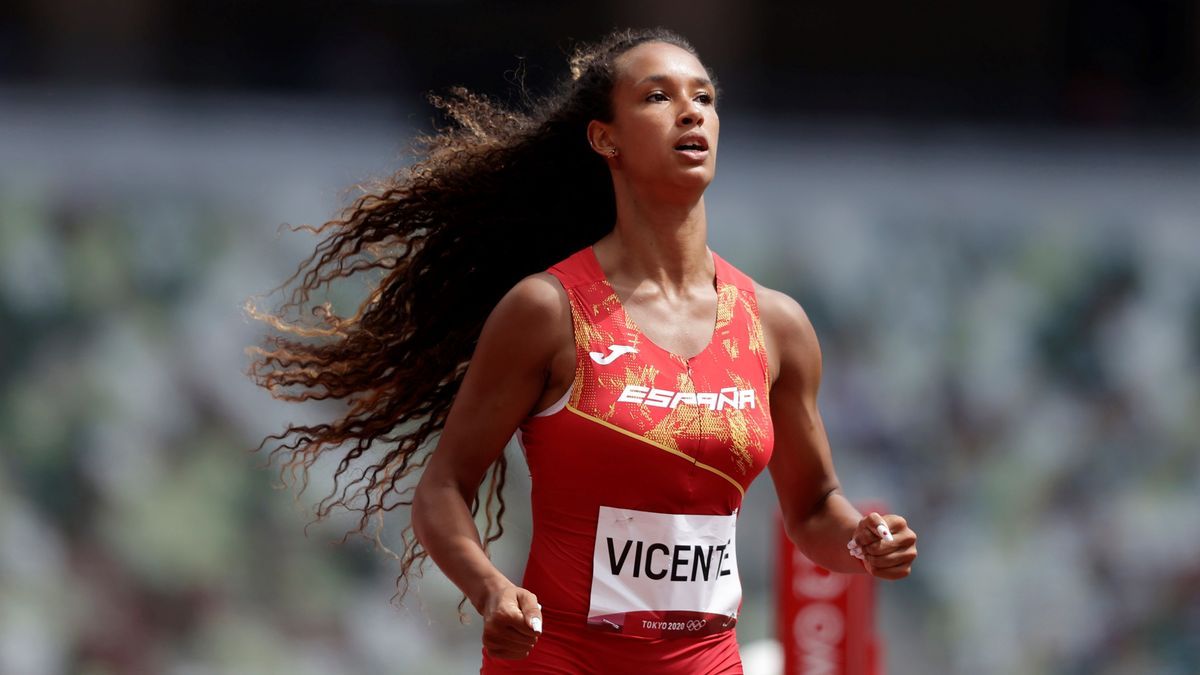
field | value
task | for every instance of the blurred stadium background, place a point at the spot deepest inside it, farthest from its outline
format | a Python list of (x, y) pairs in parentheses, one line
[(991, 212)]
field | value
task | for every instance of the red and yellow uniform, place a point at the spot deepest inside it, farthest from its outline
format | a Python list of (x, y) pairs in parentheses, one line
[(638, 474)]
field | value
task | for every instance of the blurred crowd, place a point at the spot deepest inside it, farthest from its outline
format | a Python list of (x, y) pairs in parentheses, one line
[(1011, 334)]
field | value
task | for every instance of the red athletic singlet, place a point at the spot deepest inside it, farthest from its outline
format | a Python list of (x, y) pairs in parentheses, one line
[(637, 477)]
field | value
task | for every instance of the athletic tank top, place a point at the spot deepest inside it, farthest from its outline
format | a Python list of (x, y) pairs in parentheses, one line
[(638, 472)]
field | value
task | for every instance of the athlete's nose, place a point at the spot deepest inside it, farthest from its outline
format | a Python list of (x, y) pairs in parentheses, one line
[(691, 115)]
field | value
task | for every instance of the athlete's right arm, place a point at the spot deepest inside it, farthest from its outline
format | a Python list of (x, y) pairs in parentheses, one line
[(504, 381)]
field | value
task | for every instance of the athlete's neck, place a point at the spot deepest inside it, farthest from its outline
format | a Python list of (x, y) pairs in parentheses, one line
[(665, 244)]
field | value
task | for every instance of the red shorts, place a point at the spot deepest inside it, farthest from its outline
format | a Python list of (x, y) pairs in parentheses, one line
[(568, 647)]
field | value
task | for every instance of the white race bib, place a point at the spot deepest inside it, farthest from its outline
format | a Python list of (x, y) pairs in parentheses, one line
[(664, 574)]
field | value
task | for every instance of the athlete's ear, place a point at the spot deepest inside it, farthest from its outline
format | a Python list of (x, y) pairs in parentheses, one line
[(600, 137)]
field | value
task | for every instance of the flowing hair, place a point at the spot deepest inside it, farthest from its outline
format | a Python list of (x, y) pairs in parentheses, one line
[(497, 195)]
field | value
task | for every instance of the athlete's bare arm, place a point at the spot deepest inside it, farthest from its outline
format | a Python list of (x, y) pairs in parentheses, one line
[(518, 361), (817, 516)]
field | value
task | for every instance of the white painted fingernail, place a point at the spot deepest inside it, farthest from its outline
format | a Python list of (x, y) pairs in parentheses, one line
[(851, 544), (883, 531), (536, 624)]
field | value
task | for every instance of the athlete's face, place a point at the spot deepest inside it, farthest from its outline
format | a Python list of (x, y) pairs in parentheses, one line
[(665, 122)]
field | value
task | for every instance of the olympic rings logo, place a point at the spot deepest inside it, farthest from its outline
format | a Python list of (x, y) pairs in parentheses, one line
[(696, 624)]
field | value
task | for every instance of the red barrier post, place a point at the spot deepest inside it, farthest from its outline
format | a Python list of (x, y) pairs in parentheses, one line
[(825, 620)]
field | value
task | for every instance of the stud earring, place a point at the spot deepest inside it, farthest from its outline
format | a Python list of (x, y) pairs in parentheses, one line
[(612, 152)]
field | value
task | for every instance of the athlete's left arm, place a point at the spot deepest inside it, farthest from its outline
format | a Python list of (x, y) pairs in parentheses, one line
[(817, 516)]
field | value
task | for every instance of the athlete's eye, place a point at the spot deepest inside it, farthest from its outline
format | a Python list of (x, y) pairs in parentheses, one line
[(660, 96), (706, 99)]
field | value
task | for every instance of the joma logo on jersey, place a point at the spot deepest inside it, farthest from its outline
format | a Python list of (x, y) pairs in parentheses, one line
[(614, 351), (665, 398)]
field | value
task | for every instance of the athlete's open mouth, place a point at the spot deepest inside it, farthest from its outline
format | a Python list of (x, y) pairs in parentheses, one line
[(692, 141)]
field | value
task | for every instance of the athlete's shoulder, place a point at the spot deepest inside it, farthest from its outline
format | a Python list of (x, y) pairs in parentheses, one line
[(790, 336), (536, 298), (781, 310), (529, 326)]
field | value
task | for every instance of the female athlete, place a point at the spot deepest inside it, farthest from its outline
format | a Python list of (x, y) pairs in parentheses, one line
[(546, 273)]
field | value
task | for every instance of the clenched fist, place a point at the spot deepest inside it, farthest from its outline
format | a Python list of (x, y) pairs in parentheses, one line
[(885, 545), (512, 621)]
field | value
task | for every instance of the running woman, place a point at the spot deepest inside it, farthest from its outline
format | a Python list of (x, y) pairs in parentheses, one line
[(547, 274)]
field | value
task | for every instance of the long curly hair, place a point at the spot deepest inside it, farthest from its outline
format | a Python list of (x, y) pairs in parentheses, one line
[(496, 195)]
